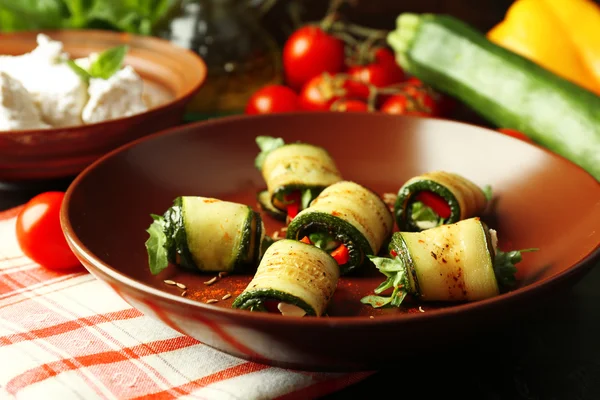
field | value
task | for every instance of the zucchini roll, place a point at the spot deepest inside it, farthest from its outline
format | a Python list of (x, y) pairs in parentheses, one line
[(295, 174), (437, 198), (205, 234), (347, 220), (454, 262), (293, 279)]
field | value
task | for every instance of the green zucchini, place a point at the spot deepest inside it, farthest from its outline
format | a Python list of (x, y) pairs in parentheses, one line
[(437, 198), (349, 214), (205, 234), (505, 88), (294, 277), (455, 262), (294, 172)]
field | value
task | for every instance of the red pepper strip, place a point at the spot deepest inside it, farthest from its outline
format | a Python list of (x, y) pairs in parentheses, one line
[(306, 240), (393, 253), (435, 202), (293, 207), (341, 254)]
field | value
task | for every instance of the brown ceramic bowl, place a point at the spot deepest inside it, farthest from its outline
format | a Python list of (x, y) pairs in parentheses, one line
[(170, 73), (542, 201)]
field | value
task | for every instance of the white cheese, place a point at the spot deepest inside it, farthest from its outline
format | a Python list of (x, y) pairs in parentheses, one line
[(115, 97), (58, 91), (291, 310), (17, 109)]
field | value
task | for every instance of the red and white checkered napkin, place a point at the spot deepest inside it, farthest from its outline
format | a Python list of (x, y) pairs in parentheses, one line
[(69, 336)]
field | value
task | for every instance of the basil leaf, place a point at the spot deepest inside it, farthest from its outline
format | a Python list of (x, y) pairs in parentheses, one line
[(424, 217), (504, 266), (155, 245), (108, 62), (376, 301), (266, 144), (487, 191), (83, 74)]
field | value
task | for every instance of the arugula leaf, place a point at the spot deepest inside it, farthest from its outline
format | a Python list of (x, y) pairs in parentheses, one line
[(487, 191), (504, 266), (266, 144), (155, 245), (424, 217), (83, 74), (108, 62), (397, 278)]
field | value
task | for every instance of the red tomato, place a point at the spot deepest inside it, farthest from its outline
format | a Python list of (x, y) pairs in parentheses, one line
[(272, 99), (516, 134), (382, 72), (39, 233), (402, 104), (323, 90), (350, 105), (308, 52)]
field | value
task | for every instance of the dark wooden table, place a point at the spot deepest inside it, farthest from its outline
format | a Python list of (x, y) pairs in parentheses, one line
[(553, 353)]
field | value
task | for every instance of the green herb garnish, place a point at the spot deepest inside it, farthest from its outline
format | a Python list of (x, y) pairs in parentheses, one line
[(143, 17), (487, 191), (324, 241), (397, 278), (504, 266), (104, 66), (156, 245), (266, 144), (424, 217)]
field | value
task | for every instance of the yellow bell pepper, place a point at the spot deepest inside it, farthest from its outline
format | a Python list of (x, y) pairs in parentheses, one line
[(562, 36)]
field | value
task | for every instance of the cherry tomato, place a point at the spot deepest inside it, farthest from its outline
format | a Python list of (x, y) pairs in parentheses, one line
[(402, 104), (382, 72), (516, 134), (272, 99), (350, 105), (308, 52), (321, 92), (39, 233)]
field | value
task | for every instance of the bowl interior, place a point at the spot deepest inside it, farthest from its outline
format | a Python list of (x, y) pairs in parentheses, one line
[(540, 200)]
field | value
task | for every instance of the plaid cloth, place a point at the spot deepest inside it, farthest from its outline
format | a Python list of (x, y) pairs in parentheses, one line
[(69, 336)]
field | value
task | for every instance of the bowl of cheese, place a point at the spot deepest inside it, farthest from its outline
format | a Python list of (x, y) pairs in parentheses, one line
[(69, 97)]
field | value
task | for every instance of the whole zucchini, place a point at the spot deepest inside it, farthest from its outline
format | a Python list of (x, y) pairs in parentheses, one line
[(293, 278), (205, 234), (505, 88)]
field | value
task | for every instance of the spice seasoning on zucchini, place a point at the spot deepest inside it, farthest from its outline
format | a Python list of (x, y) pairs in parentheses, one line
[(507, 89), (436, 198), (205, 234), (295, 173), (347, 220), (455, 262), (293, 278)]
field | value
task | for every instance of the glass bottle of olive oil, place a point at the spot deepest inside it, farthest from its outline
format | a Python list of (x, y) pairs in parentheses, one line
[(240, 55)]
